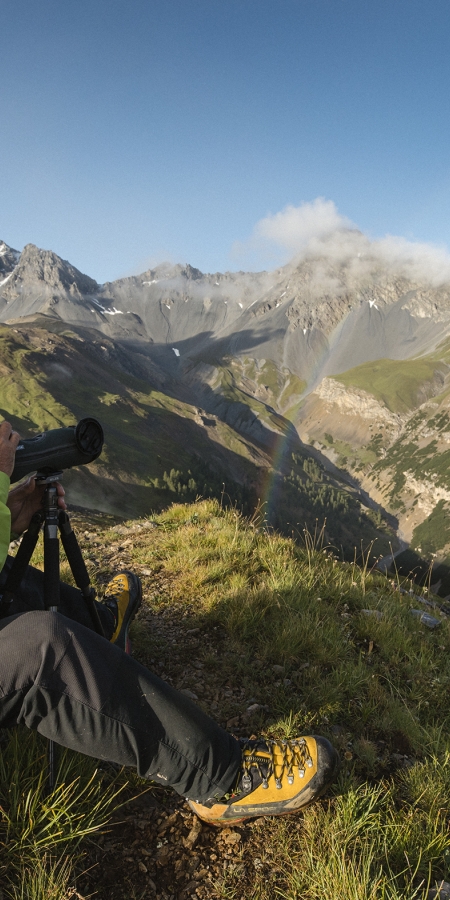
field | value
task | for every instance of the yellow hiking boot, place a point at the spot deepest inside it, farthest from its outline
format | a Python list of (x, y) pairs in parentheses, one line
[(123, 596), (276, 778)]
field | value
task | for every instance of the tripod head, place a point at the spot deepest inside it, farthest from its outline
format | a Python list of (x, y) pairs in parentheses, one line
[(47, 478), (57, 449)]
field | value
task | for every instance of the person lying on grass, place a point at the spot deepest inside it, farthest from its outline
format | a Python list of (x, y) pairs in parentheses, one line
[(86, 692)]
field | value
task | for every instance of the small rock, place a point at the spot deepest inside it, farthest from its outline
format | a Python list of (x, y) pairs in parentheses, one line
[(189, 887), (188, 693), (375, 613), (142, 867), (146, 572), (162, 855), (231, 838), (234, 722), (425, 618), (255, 707), (277, 668), (190, 841), (424, 601), (167, 823), (440, 892)]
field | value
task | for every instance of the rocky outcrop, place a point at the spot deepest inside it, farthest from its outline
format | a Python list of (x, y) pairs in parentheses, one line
[(354, 402), (42, 268), (8, 261)]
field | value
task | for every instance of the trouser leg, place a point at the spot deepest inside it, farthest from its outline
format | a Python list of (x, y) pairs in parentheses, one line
[(71, 604), (84, 693)]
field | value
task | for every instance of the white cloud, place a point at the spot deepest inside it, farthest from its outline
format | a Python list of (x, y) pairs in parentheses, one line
[(317, 229), (296, 226), (419, 261)]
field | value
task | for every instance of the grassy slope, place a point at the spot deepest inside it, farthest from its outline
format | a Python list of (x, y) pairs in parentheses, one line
[(48, 380), (396, 383), (376, 686), (146, 431), (283, 389), (296, 505)]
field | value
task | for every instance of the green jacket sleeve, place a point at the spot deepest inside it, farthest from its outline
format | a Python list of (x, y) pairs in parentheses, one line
[(5, 519)]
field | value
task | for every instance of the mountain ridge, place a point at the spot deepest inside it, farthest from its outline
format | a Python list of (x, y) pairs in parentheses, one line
[(344, 350)]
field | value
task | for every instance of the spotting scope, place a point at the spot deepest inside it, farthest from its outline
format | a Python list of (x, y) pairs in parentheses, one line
[(59, 449)]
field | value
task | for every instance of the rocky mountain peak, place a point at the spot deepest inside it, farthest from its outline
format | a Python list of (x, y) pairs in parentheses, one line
[(58, 274), (191, 273)]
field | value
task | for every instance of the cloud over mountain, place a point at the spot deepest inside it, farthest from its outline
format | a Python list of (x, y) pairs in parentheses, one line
[(317, 229)]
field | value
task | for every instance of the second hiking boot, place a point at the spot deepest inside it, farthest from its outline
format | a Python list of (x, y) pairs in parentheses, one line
[(123, 596), (276, 778)]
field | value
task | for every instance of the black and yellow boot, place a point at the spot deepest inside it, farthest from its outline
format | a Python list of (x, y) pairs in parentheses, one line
[(276, 778), (123, 596)]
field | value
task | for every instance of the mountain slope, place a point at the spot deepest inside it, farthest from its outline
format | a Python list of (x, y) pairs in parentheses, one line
[(159, 447), (339, 355)]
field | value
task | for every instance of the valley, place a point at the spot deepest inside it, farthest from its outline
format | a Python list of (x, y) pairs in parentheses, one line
[(318, 391)]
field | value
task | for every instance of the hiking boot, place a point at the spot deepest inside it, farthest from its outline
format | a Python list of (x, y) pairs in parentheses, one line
[(276, 778), (123, 596)]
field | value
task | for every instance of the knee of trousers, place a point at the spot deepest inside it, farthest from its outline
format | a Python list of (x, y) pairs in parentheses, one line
[(46, 654), (30, 644)]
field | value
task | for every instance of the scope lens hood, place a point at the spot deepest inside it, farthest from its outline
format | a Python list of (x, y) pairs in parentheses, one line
[(89, 437)]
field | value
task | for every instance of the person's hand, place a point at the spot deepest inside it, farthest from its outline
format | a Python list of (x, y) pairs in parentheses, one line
[(9, 440), (25, 499)]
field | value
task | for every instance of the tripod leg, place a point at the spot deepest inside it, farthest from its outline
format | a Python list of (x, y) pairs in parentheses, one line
[(51, 588), (51, 550), (22, 558), (78, 567)]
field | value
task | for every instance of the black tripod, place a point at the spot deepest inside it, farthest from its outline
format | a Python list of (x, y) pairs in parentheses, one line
[(54, 522)]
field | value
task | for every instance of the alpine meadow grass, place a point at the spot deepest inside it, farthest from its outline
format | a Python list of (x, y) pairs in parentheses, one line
[(319, 646)]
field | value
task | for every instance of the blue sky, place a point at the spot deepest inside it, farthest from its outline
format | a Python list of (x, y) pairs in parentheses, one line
[(133, 131)]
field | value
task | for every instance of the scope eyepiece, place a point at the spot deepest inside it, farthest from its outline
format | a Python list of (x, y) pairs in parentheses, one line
[(59, 448)]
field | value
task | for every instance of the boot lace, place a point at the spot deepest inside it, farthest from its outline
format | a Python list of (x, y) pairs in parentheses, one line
[(284, 757)]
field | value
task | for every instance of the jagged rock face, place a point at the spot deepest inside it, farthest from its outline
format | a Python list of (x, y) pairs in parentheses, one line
[(348, 414), (316, 318), (38, 268), (44, 266), (8, 259), (42, 282)]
